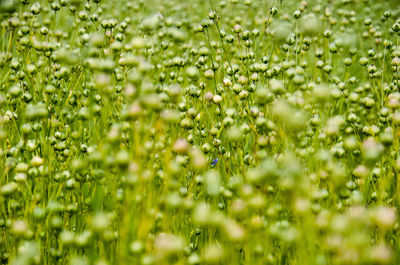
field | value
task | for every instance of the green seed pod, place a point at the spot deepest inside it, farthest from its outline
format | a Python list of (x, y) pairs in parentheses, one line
[(136, 247), (371, 149), (386, 138), (212, 181), (310, 25), (9, 189), (37, 111), (276, 86), (282, 29), (19, 228), (187, 123), (122, 158), (151, 23), (56, 223), (263, 95), (83, 239), (104, 65), (100, 222), (21, 167), (213, 254), (181, 146), (67, 238), (39, 213), (321, 93), (15, 91), (192, 72), (363, 61), (382, 216), (194, 259), (54, 207), (170, 115)]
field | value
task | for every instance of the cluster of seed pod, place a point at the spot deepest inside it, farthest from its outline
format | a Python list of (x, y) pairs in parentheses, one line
[(199, 132)]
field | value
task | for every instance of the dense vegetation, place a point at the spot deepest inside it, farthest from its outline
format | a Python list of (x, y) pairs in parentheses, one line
[(199, 132)]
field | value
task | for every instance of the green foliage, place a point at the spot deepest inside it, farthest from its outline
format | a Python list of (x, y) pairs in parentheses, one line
[(199, 132)]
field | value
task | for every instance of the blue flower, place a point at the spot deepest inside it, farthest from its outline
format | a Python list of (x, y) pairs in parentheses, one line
[(214, 162)]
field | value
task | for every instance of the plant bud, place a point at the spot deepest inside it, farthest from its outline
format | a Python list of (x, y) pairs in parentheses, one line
[(213, 254), (384, 217), (167, 245)]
